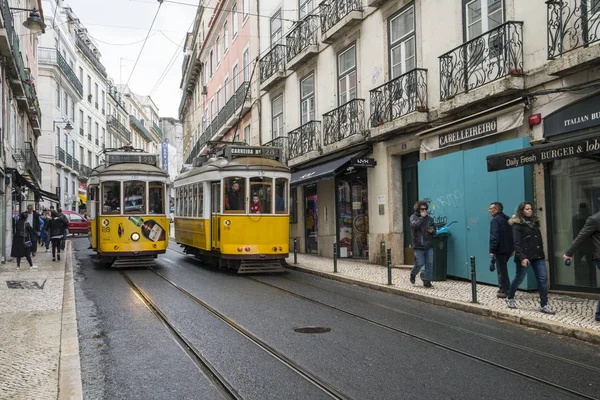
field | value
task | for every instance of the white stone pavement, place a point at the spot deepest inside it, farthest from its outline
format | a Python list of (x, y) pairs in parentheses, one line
[(31, 317), (571, 312)]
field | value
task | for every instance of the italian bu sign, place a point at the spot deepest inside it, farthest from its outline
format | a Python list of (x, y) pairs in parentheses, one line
[(468, 133), (574, 117), (544, 153)]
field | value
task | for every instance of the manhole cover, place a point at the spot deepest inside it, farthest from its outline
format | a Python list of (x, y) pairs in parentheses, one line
[(312, 329), (25, 285)]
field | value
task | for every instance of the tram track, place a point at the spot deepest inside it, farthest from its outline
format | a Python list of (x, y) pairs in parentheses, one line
[(225, 388), (446, 347)]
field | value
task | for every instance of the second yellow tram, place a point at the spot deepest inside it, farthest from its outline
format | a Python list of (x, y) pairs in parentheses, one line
[(232, 210)]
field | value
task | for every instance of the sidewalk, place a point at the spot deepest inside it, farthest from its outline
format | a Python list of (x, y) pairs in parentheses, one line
[(39, 354), (574, 316)]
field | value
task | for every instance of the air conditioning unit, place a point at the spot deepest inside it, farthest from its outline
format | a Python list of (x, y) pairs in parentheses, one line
[(204, 89)]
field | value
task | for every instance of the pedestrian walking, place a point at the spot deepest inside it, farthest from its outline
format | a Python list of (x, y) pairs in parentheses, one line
[(501, 246), (529, 253), (422, 229), (56, 231), (21, 243), (33, 218), (590, 229), (66, 232), (44, 233)]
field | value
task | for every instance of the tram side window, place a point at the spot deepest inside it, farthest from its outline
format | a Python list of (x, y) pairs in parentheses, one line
[(157, 197), (235, 195), (200, 200), (261, 195), (185, 201), (195, 200), (135, 197), (281, 195), (111, 200)]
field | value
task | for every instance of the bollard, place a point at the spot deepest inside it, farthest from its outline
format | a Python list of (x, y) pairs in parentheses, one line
[(473, 280), (389, 266), (295, 251), (334, 257), (382, 251)]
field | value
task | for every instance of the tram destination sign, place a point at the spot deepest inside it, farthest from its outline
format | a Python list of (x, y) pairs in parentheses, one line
[(135, 158), (248, 151)]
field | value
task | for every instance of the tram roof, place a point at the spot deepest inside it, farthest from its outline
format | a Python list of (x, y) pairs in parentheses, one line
[(128, 169), (222, 164)]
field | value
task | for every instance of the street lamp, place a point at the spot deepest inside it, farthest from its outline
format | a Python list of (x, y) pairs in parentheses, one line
[(68, 127), (34, 22)]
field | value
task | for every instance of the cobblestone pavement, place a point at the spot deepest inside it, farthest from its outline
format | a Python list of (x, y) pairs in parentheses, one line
[(30, 317), (573, 312)]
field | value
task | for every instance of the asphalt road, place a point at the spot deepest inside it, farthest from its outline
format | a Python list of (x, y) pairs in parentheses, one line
[(380, 346)]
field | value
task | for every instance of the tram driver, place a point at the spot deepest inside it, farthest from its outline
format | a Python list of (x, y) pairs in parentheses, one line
[(235, 198), (112, 203)]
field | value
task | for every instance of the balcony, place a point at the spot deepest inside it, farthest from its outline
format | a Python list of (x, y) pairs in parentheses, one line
[(87, 52), (75, 165), (61, 155), (399, 103), (157, 129), (281, 142), (18, 76), (573, 25), (51, 56), (344, 125), (302, 42), (272, 67), (338, 17), (31, 166), (376, 3), (118, 128), (69, 160), (84, 172), (140, 127), (304, 142), (238, 105), (496, 55)]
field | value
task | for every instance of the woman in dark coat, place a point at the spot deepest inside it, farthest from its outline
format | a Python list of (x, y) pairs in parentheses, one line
[(22, 235), (529, 253), (56, 230)]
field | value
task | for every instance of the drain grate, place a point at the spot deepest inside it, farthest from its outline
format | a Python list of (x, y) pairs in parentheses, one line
[(25, 285), (312, 329)]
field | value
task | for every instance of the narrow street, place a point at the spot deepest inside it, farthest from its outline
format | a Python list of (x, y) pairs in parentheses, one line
[(243, 344)]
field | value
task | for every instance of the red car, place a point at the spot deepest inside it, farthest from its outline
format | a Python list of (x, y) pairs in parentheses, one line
[(77, 224)]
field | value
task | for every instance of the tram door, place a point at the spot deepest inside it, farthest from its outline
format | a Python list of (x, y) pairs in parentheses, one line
[(215, 218)]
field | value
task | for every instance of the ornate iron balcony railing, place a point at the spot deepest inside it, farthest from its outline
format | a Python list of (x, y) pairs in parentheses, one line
[(333, 11), (304, 139), (272, 62), (76, 165), (69, 160), (84, 171), (157, 129), (484, 59), (81, 45), (50, 55), (571, 24), (345, 121), (282, 142), (118, 128), (60, 155), (398, 97), (140, 127), (304, 34), (27, 155)]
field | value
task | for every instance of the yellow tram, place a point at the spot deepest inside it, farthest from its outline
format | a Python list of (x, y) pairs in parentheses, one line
[(128, 203), (232, 211)]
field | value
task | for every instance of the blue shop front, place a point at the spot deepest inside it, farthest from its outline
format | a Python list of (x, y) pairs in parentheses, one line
[(454, 178)]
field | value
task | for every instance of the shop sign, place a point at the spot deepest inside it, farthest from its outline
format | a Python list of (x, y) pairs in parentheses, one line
[(165, 155), (580, 115), (544, 153), (363, 162), (469, 133), (82, 186)]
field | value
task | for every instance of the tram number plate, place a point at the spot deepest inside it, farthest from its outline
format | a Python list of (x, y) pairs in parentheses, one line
[(105, 229)]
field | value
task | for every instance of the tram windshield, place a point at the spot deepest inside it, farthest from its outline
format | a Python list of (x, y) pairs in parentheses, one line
[(111, 200), (135, 196), (235, 195), (261, 195), (157, 196)]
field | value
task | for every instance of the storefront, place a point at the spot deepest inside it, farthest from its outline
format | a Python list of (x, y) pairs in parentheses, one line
[(453, 177), (333, 207), (571, 156)]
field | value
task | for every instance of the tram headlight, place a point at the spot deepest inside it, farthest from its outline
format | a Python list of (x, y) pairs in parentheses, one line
[(135, 236)]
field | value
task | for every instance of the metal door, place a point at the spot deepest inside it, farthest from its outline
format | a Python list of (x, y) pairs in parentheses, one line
[(215, 215)]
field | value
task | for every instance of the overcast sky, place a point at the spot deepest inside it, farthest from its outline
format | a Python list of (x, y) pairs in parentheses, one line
[(122, 22)]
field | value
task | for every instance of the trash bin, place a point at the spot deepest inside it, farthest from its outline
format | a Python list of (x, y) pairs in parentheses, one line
[(440, 256)]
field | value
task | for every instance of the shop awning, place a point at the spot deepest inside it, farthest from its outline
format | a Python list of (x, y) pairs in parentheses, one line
[(82, 198), (21, 180), (586, 147), (48, 195), (320, 171)]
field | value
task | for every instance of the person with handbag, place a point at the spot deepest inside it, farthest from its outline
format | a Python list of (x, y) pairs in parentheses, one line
[(56, 231), (21, 244)]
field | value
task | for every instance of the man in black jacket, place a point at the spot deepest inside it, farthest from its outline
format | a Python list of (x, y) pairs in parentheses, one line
[(501, 245), (422, 229), (590, 229), (34, 220)]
